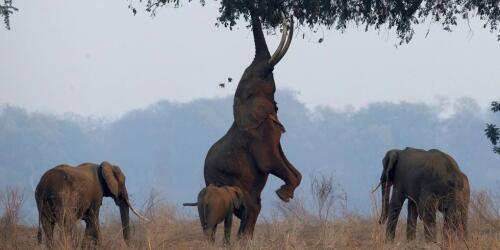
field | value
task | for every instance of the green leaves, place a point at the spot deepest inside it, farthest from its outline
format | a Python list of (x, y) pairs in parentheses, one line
[(401, 15), (492, 131), (6, 9), (495, 106)]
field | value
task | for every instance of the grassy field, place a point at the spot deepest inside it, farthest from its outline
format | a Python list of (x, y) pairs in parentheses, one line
[(290, 226)]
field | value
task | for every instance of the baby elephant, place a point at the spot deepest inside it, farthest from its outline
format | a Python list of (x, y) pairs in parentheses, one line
[(217, 204)]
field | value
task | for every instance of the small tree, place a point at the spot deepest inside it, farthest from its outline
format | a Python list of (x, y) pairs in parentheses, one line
[(6, 9), (492, 131), (326, 194), (11, 201)]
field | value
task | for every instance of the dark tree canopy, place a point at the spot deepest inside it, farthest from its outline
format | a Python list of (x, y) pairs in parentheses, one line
[(6, 9), (492, 131), (400, 15)]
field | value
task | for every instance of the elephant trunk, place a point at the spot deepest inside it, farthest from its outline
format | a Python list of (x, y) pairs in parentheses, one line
[(386, 189), (124, 214)]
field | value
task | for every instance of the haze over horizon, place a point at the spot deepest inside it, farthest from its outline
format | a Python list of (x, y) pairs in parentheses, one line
[(95, 58), (162, 148)]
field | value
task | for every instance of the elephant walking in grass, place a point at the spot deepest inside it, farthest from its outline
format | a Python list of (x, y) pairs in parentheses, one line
[(66, 194), (217, 204), (431, 181), (251, 148)]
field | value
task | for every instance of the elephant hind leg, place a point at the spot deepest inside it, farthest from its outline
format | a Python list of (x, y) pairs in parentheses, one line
[(447, 226), (48, 228), (228, 223), (411, 225), (68, 233), (428, 213), (92, 230), (247, 224), (209, 232)]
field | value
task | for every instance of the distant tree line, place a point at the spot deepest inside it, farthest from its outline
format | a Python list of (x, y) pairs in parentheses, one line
[(164, 146)]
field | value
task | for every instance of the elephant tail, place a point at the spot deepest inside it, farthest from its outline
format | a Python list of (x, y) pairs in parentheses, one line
[(39, 234), (194, 204)]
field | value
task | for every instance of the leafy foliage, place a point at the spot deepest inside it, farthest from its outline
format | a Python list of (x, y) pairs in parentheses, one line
[(492, 131), (495, 106), (400, 15), (6, 9)]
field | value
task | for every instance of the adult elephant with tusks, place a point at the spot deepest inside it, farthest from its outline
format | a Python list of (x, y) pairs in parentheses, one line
[(431, 181), (251, 148), (66, 194)]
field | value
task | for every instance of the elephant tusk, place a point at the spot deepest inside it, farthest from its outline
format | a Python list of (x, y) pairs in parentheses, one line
[(287, 44), (375, 189), (286, 39), (137, 213)]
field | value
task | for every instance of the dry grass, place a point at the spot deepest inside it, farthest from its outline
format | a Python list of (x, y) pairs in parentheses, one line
[(11, 202), (290, 226)]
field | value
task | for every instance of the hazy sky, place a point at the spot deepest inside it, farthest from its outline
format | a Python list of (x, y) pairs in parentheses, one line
[(95, 58)]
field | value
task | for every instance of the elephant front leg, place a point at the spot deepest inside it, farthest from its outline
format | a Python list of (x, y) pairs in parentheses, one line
[(285, 192), (455, 224), (266, 150), (395, 206), (48, 228), (411, 224)]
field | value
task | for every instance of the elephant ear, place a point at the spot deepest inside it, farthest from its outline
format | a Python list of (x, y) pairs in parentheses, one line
[(390, 161), (113, 177), (238, 198), (250, 113)]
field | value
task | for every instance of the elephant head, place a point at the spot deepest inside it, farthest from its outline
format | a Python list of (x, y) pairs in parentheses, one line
[(386, 181), (238, 201), (258, 79), (114, 187)]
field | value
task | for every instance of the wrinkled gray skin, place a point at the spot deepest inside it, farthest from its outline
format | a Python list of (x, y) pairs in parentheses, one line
[(66, 194), (251, 148), (431, 181), (217, 204)]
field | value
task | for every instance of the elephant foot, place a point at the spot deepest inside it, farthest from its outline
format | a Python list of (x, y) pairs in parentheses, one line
[(285, 193)]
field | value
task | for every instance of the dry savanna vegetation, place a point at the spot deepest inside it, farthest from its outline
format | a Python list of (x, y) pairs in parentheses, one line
[(324, 224)]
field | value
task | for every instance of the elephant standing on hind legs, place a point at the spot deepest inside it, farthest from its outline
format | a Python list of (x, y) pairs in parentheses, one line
[(66, 194), (431, 181), (251, 148)]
